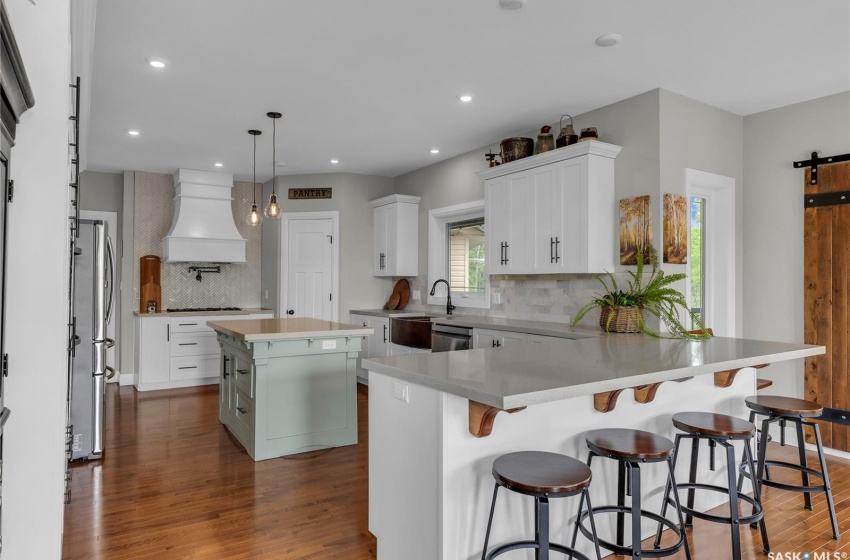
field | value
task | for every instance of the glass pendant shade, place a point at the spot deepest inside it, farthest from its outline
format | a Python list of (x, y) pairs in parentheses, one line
[(273, 208), (254, 218)]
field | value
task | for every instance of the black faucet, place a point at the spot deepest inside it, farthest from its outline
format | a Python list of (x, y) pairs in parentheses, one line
[(449, 305)]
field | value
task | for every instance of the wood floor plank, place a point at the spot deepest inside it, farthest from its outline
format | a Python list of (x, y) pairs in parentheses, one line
[(174, 485)]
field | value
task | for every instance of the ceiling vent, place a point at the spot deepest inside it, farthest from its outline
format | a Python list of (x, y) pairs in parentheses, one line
[(203, 229)]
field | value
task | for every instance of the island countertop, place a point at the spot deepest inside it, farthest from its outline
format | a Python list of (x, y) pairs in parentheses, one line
[(522, 375), (253, 330)]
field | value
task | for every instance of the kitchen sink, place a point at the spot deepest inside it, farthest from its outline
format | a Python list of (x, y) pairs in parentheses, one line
[(411, 331)]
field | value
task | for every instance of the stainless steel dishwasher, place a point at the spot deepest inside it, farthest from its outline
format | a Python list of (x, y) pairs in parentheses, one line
[(445, 338)]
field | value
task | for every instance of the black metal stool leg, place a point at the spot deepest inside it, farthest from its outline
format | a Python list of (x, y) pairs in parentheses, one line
[(621, 500), (671, 466), (490, 522), (592, 527), (826, 484), (541, 516), (742, 466), (733, 500), (692, 478), (801, 449), (634, 478), (757, 488)]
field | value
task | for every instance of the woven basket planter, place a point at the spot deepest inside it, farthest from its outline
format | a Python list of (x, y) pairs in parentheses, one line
[(622, 319)]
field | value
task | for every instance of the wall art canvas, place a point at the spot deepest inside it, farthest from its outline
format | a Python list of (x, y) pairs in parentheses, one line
[(635, 228), (675, 229)]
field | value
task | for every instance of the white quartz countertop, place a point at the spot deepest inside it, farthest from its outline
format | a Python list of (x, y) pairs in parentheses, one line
[(392, 313), (205, 313), (283, 329), (544, 328), (522, 375)]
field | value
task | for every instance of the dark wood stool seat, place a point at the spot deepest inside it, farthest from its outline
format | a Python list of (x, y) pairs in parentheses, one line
[(714, 425), (620, 443), (783, 410), (632, 449), (784, 406), (542, 475), (719, 430)]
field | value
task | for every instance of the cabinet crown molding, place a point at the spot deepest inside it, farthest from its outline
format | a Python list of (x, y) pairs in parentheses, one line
[(393, 198), (576, 150)]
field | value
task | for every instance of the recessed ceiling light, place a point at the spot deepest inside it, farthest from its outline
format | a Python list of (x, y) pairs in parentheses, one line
[(219, 164), (435, 151), (334, 161), (609, 40), (156, 62), (466, 98), (133, 132), (512, 4)]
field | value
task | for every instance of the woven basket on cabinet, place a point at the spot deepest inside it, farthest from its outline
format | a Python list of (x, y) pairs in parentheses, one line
[(622, 319)]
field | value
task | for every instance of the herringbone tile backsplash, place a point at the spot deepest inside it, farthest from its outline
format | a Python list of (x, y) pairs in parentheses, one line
[(238, 285)]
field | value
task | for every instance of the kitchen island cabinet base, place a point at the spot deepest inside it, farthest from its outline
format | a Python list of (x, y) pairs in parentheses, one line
[(284, 397), (430, 481)]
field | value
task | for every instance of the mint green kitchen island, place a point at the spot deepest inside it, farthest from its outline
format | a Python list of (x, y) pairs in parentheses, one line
[(288, 386)]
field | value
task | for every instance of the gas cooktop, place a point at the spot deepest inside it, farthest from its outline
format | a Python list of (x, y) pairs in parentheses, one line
[(191, 309)]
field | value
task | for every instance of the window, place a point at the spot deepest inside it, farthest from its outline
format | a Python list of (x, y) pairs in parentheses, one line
[(697, 258), (456, 254), (465, 251)]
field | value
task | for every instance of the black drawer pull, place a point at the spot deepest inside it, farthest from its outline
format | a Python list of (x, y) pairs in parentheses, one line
[(242, 371), (188, 367), (187, 344), (242, 410)]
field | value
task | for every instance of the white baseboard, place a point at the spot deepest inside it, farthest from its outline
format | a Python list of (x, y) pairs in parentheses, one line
[(125, 379)]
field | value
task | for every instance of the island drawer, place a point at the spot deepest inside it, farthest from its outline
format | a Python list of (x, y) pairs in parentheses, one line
[(193, 367), (243, 373), (194, 344), (244, 410)]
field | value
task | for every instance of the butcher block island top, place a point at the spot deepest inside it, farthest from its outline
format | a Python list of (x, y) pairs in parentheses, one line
[(523, 375), (281, 329)]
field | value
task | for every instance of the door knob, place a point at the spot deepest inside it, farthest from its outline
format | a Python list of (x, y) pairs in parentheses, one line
[(290, 312)]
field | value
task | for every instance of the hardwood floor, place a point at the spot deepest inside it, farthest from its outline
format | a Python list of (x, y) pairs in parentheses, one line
[(173, 484)]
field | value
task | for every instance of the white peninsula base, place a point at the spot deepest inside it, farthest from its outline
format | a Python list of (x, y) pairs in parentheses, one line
[(430, 482)]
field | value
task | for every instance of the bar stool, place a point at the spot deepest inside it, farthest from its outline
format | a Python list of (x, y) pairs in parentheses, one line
[(630, 448), (784, 410), (542, 475), (718, 429)]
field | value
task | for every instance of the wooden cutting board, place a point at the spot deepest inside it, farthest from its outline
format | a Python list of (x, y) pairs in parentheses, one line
[(149, 280)]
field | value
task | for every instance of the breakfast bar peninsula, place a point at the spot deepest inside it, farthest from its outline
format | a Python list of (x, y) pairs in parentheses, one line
[(437, 422), (289, 385)]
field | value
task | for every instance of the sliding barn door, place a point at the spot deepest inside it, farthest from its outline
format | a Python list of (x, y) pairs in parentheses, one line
[(827, 294)]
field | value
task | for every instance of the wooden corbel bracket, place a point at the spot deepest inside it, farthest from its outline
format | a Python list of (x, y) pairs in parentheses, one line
[(646, 393), (726, 377), (482, 416), (605, 402)]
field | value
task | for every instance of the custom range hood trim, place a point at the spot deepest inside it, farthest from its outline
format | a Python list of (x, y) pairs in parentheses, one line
[(203, 228)]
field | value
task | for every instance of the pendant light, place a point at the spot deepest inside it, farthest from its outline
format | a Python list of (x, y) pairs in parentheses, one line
[(273, 208), (254, 218)]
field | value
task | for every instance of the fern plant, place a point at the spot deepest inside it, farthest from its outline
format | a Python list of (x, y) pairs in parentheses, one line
[(653, 294)]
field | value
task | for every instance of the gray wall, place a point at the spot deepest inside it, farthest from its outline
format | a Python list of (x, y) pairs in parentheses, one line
[(102, 191), (773, 220), (351, 196), (699, 136)]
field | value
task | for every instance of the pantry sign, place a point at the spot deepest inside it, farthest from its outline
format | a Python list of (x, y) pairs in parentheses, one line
[(303, 194)]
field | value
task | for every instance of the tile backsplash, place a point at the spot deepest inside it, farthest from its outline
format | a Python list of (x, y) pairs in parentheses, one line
[(542, 297), (237, 285)]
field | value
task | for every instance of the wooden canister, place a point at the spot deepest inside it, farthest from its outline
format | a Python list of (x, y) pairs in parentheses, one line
[(149, 283)]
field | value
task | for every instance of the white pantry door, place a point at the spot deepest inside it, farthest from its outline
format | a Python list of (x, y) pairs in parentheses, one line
[(309, 268)]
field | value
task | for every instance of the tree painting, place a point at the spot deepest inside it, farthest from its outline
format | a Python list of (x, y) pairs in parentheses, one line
[(635, 228), (675, 229)]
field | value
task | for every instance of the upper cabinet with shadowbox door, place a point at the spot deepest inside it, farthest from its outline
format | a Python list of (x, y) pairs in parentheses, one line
[(554, 212), (16, 97)]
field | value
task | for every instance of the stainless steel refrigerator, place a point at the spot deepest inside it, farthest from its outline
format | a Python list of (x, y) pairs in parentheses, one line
[(93, 291)]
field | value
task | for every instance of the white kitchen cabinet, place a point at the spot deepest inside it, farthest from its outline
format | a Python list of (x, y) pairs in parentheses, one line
[(486, 338), (377, 344), (399, 350), (179, 351), (553, 213), (395, 229)]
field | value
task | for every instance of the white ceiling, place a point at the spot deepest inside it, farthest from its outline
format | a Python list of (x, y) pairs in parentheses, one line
[(375, 83)]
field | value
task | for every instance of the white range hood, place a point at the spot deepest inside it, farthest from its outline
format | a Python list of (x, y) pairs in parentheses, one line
[(203, 229)]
